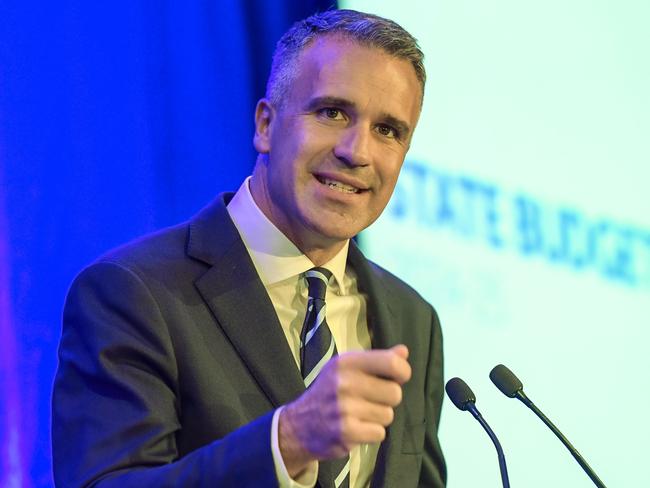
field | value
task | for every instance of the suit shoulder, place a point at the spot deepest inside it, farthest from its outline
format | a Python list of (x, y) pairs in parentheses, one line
[(165, 245), (203, 238), (158, 259)]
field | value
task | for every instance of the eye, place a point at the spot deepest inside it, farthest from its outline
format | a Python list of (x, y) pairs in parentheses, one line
[(332, 113), (387, 131)]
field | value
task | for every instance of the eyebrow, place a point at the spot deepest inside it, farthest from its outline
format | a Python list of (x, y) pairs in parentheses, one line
[(325, 101)]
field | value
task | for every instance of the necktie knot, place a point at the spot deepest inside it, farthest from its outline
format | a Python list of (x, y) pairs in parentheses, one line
[(317, 280)]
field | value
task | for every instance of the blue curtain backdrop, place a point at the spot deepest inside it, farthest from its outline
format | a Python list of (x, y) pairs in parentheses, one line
[(116, 118)]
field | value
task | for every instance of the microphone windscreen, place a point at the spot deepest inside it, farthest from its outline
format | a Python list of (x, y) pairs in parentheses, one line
[(505, 380), (459, 393)]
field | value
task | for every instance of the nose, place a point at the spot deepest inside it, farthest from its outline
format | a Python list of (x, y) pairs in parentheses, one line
[(353, 146)]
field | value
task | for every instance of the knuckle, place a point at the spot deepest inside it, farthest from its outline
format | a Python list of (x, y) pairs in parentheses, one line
[(343, 385), (347, 438), (350, 383), (345, 409), (393, 362), (380, 435), (396, 394), (347, 444), (389, 416), (341, 409), (408, 373), (347, 427)]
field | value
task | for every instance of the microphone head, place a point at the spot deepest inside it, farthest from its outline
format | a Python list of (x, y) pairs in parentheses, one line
[(459, 393), (505, 380)]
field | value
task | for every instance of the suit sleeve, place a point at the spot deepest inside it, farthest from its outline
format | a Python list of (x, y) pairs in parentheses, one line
[(433, 472), (115, 406)]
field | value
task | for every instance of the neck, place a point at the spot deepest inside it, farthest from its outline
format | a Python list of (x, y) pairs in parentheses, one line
[(320, 256), (318, 248)]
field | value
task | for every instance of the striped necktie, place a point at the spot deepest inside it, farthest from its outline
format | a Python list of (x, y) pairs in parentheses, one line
[(317, 346)]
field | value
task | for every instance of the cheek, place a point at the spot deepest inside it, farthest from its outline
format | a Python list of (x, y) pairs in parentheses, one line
[(389, 172), (294, 154), (287, 177)]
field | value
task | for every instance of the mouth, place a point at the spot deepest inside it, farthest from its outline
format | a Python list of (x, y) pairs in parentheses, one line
[(339, 185)]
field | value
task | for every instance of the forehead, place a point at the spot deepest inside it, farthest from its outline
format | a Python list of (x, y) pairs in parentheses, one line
[(367, 76)]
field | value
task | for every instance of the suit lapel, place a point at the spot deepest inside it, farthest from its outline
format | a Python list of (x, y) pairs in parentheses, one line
[(234, 293), (385, 332), (237, 298)]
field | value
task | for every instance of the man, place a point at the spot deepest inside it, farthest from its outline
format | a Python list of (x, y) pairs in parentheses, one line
[(203, 356)]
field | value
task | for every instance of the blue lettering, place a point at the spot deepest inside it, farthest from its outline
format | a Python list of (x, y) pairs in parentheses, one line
[(473, 209), (620, 266), (570, 231), (529, 225), (445, 212), (467, 222), (491, 194)]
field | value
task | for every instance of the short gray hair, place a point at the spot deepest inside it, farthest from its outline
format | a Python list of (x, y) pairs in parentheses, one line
[(366, 29)]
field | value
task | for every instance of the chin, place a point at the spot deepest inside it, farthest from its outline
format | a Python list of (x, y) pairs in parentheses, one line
[(332, 225), (338, 234)]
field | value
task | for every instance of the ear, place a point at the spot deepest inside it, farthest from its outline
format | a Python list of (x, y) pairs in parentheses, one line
[(264, 116)]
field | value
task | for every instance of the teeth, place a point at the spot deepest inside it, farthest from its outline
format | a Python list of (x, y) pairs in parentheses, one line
[(337, 185)]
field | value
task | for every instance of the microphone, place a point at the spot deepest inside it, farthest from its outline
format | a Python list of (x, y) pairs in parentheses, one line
[(463, 397), (506, 381)]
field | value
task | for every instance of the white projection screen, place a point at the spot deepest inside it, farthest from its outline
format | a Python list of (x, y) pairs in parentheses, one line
[(523, 215)]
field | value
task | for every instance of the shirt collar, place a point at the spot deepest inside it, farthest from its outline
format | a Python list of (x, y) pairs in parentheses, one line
[(274, 256)]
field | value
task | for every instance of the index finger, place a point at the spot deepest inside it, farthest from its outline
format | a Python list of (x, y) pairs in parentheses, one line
[(384, 363)]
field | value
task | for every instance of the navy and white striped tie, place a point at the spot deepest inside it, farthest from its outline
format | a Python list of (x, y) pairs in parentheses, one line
[(317, 346)]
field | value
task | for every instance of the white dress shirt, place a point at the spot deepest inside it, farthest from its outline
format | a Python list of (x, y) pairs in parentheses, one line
[(280, 266)]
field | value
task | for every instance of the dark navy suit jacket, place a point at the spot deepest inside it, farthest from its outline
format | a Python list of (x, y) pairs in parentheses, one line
[(172, 361)]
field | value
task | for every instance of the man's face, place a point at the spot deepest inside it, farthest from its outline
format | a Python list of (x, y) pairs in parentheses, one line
[(336, 146)]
